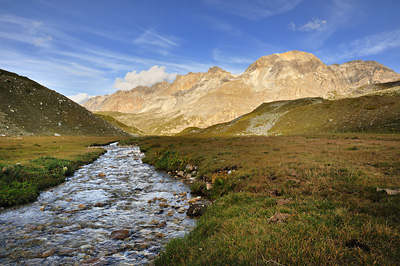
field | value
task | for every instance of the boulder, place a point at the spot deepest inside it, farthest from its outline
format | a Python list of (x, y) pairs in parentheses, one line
[(196, 209), (279, 217), (119, 234)]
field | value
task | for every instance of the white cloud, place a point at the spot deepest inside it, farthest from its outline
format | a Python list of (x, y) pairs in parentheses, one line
[(80, 97), (254, 9), (144, 78), (315, 24), (340, 14)]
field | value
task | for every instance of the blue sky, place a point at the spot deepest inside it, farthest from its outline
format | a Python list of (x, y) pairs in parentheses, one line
[(99, 46)]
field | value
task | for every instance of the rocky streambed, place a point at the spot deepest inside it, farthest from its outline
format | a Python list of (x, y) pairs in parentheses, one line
[(116, 211)]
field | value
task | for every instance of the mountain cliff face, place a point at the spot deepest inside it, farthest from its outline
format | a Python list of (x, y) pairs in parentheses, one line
[(28, 108), (204, 99)]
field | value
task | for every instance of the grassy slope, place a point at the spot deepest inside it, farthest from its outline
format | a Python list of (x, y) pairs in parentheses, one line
[(148, 124), (115, 122), (27, 107), (377, 112), (337, 215), (31, 164)]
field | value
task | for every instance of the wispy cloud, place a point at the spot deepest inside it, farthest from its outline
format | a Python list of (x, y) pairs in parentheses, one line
[(254, 9), (222, 56), (219, 25), (376, 44), (153, 38), (315, 24), (363, 47), (24, 31)]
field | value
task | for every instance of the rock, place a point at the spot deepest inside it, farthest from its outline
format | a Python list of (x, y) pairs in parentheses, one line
[(389, 191), (48, 253), (193, 200), (281, 202), (65, 251), (208, 186), (119, 234), (162, 224), (274, 192), (279, 217), (160, 235), (189, 168), (188, 176), (196, 209), (194, 173), (102, 174), (29, 227), (153, 222), (180, 174), (99, 204), (181, 210), (81, 206)]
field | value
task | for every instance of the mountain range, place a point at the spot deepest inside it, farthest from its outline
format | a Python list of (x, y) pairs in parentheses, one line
[(204, 99)]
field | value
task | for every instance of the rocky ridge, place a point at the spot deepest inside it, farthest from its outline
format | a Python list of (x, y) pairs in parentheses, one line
[(217, 96)]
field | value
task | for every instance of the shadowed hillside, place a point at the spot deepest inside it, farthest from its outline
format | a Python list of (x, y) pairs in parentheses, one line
[(28, 108)]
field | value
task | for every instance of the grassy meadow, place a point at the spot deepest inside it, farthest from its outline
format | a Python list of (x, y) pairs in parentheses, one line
[(325, 187), (31, 164)]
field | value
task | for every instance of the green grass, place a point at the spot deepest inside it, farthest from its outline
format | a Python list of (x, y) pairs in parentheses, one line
[(337, 215), (31, 164)]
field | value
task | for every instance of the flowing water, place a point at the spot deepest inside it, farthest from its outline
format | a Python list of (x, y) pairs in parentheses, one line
[(73, 223)]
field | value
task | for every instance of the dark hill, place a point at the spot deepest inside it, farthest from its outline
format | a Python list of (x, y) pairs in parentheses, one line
[(28, 108)]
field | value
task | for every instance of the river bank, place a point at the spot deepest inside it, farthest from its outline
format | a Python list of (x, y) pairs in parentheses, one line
[(115, 210), (288, 200)]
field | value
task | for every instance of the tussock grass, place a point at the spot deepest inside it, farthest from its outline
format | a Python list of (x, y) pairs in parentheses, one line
[(337, 216), (31, 164)]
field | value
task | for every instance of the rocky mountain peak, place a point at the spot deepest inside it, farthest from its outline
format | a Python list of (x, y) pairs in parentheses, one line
[(285, 59), (215, 70), (204, 99), (297, 55)]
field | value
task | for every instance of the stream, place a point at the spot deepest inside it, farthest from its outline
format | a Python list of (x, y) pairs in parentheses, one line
[(115, 211)]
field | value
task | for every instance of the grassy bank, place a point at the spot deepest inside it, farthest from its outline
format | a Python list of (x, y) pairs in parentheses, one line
[(324, 186), (31, 164)]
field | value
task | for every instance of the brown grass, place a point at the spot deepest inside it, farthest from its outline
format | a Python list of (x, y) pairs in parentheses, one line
[(22, 149), (337, 215)]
